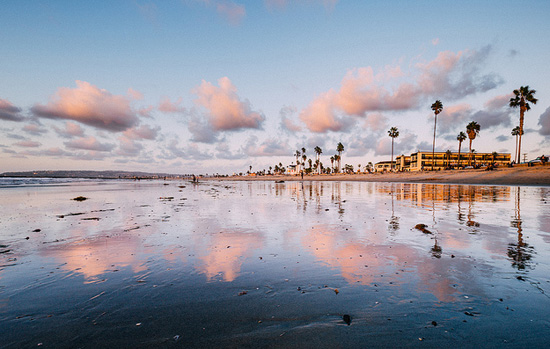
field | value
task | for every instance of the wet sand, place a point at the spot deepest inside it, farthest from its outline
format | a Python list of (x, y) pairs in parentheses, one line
[(279, 265), (532, 176)]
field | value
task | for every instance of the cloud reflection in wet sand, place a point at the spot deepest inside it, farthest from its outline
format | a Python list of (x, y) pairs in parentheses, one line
[(361, 237)]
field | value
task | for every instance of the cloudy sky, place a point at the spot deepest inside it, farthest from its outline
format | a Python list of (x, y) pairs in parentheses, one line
[(216, 86)]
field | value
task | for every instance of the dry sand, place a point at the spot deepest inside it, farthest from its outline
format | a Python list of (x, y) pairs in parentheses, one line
[(520, 175)]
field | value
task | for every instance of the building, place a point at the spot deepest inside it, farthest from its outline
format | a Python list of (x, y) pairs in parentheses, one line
[(383, 166), (423, 160), (403, 163)]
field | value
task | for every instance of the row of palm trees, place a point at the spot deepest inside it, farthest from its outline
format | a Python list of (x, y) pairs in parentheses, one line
[(301, 159), (522, 97)]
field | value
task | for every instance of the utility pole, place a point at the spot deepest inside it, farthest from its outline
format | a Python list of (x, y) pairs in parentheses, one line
[(525, 157)]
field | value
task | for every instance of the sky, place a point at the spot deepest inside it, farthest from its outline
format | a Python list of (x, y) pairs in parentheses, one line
[(217, 86)]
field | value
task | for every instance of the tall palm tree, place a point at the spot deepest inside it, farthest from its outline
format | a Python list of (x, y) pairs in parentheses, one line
[(393, 133), (318, 151), (337, 159), (437, 107), (340, 150), (515, 132), (521, 99), (448, 154), (460, 138), (473, 130), (332, 162), (297, 155)]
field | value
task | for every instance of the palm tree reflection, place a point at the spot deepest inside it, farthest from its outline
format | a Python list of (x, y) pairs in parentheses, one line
[(521, 252)]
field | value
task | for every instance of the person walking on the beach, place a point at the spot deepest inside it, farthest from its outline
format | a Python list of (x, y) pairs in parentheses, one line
[(302, 173)]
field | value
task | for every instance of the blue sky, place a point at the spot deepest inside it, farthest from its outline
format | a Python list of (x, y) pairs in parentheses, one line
[(214, 86)]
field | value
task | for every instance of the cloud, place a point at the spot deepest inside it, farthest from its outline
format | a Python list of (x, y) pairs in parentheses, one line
[(269, 147), (91, 106), (223, 152), (225, 110), (28, 144), (456, 75), (9, 112), (231, 11), (89, 143), (376, 121), (133, 94), (71, 130), (283, 4), (287, 119), (544, 122), (128, 147), (449, 75), (202, 132), (435, 41), (142, 132), (451, 117), (34, 129), (502, 138), (167, 106)]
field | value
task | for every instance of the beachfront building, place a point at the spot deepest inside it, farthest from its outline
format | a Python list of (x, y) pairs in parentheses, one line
[(383, 166), (403, 163), (292, 170), (422, 160)]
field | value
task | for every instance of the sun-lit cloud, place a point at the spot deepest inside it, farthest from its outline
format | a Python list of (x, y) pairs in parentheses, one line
[(134, 94), (283, 4), (230, 11), (544, 122), (142, 132), (128, 147), (9, 112), (34, 129), (71, 130), (168, 106), (89, 143), (89, 105), (225, 111), (450, 75), (28, 144)]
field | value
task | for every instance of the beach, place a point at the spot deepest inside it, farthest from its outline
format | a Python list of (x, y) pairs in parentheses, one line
[(520, 175), (265, 264)]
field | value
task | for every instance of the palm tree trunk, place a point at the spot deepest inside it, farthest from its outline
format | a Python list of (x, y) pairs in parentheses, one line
[(470, 155), (433, 144), (391, 163), (521, 113), (459, 145), (516, 149)]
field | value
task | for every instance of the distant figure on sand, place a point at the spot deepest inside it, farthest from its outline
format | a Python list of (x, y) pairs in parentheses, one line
[(195, 179), (302, 173)]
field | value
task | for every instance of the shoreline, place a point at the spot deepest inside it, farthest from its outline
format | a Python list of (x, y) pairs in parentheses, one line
[(523, 176)]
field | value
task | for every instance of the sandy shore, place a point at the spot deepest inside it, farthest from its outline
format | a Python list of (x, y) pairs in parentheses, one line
[(533, 176)]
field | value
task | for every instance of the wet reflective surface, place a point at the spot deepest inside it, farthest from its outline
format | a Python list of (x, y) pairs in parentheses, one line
[(255, 264)]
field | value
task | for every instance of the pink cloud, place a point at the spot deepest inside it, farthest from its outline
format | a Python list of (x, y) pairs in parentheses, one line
[(91, 106), (134, 94), (28, 144), (225, 110), (142, 132), (128, 147), (9, 112), (89, 143), (231, 11), (34, 129), (449, 75), (168, 107), (71, 130)]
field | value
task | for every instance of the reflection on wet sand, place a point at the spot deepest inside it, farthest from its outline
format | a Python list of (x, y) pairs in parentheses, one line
[(448, 253), (223, 253)]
